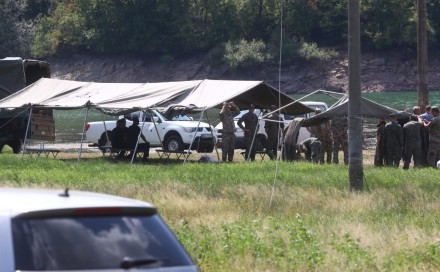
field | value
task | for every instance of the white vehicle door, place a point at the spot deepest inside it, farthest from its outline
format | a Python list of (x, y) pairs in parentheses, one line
[(150, 131)]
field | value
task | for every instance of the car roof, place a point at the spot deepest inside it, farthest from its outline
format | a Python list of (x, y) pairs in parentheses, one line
[(14, 201)]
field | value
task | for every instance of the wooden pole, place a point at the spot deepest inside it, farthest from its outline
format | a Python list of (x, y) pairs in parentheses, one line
[(356, 172)]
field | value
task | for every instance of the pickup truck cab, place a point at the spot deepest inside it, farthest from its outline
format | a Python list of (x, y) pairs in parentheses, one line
[(160, 132), (303, 132), (260, 138)]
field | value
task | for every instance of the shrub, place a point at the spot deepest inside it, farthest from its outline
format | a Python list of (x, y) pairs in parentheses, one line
[(245, 54), (310, 51)]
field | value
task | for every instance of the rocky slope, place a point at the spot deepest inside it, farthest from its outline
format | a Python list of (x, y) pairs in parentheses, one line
[(385, 72)]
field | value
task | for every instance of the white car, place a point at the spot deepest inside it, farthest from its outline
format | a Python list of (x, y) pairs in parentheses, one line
[(260, 138), (159, 131), (62, 230), (303, 132)]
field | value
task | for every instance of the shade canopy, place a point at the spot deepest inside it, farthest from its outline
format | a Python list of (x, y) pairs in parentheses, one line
[(118, 98), (369, 109)]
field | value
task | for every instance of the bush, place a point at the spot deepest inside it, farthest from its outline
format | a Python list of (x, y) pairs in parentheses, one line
[(245, 54), (310, 51)]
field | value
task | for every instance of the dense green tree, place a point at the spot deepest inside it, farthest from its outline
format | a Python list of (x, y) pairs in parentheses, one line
[(16, 31)]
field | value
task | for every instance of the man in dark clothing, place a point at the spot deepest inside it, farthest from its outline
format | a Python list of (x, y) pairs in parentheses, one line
[(379, 156), (311, 148), (393, 142), (339, 127), (434, 138), (133, 134), (119, 137), (227, 114), (272, 127), (412, 146), (250, 120)]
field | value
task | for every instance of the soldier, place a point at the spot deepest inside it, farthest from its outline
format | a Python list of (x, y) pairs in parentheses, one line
[(393, 141), (324, 134), (379, 156), (426, 117), (412, 142), (272, 127), (227, 114), (339, 127), (311, 148), (250, 120), (434, 138)]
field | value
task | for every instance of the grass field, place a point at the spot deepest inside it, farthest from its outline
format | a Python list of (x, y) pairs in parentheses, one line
[(266, 215)]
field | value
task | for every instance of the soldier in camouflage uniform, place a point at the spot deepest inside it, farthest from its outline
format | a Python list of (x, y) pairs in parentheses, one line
[(272, 127), (339, 126), (250, 120), (393, 142), (434, 138), (311, 148), (324, 134), (412, 142), (379, 156), (227, 114)]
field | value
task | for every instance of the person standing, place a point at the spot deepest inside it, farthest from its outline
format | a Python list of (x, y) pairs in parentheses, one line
[(339, 127), (250, 120), (324, 134), (133, 134), (426, 117), (393, 141), (272, 127), (227, 114), (412, 147), (434, 138), (119, 137), (379, 156), (311, 148)]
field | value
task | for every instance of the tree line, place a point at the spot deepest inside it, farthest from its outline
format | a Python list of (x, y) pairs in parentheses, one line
[(238, 32)]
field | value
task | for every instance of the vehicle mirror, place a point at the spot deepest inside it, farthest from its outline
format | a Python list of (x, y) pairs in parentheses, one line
[(156, 119)]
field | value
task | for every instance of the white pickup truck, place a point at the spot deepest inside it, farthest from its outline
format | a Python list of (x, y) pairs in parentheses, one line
[(170, 135)]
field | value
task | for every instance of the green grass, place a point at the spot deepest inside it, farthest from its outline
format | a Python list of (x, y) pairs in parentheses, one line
[(266, 217)]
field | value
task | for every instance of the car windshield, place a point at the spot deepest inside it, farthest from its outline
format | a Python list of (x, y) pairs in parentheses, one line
[(80, 243)]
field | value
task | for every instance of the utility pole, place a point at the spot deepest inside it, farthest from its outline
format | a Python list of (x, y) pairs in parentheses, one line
[(355, 167), (422, 55)]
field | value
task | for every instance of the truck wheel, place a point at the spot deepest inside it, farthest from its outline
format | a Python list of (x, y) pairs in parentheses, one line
[(174, 143), (16, 146), (103, 141)]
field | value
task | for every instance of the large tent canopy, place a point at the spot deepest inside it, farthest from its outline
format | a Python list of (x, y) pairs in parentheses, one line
[(369, 109), (117, 98)]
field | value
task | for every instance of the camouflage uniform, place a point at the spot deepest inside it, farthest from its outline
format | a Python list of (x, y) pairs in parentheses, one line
[(324, 134), (250, 120), (393, 143), (311, 148), (379, 156), (434, 141), (228, 136), (339, 126), (412, 143), (272, 127)]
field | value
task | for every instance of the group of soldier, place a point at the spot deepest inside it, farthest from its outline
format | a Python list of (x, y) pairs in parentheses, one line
[(326, 139), (249, 123), (417, 139)]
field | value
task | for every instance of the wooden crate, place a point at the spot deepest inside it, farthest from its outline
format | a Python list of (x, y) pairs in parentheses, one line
[(42, 127)]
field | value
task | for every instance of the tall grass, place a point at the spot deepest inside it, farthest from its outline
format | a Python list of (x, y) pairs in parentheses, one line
[(249, 217)]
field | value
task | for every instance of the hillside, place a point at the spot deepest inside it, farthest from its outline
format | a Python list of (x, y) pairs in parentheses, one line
[(386, 72)]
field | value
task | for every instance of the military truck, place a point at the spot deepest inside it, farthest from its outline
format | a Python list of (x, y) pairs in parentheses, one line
[(15, 74)]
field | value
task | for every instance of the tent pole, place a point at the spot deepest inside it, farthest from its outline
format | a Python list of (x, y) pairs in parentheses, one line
[(137, 143), (213, 138), (195, 134), (254, 136), (155, 127), (27, 131), (83, 132)]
